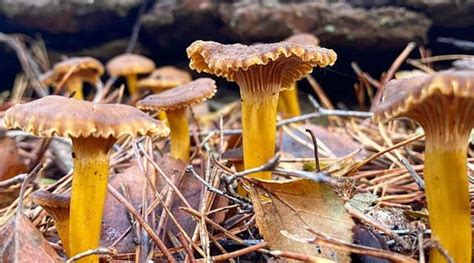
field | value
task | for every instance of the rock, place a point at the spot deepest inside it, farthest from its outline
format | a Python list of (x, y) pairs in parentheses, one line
[(443, 13), (337, 25), (57, 16)]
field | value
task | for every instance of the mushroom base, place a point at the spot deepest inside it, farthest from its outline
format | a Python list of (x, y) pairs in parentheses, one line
[(448, 201), (179, 133), (288, 103), (89, 186)]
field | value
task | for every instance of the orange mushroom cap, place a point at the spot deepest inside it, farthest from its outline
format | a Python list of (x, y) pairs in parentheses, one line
[(182, 96), (165, 78), (88, 69), (129, 64), (404, 97), (226, 60), (303, 39), (61, 116)]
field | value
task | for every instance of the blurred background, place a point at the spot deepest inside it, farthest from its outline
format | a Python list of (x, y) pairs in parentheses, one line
[(370, 32)]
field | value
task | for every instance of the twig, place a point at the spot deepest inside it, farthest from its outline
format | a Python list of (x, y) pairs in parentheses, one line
[(98, 251), (315, 147), (320, 177), (245, 204), (26, 180), (136, 28), (264, 167), (142, 222), (432, 243), (397, 63), (296, 256), (12, 181), (238, 253), (330, 242)]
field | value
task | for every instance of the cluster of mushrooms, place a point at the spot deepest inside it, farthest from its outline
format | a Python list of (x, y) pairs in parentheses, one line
[(266, 74)]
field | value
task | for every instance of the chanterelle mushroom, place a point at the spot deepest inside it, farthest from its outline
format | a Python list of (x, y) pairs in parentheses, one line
[(81, 69), (261, 71), (57, 207), (443, 104), (175, 103), (129, 66), (93, 129)]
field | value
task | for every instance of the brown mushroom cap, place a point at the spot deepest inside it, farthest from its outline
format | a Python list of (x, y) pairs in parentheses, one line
[(61, 116), (88, 69), (400, 97), (130, 64), (225, 60), (185, 95), (303, 39), (234, 155), (165, 78), (47, 199)]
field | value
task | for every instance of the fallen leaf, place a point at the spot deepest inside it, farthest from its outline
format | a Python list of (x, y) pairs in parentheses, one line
[(11, 163), (292, 205), (20, 241)]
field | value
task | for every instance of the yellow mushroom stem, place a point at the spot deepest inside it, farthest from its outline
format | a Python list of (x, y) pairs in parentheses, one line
[(288, 103), (74, 84), (259, 89), (447, 127), (60, 216), (179, 133), (132, 84), (89, 185)]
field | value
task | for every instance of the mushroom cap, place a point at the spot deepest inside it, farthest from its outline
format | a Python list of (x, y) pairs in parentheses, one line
[(165, 78), (399, 97), (50, 200), (61, 116), (129, 64), (88, 69), (234, 155), (185, 95), (303, 39), (225, 60)]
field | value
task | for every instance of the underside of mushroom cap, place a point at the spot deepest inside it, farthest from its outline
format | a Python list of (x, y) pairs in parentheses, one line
[(61, 116), (88, 69), (165, 78), (400, 97), (185, 95), (303, 39), (130, 64), (225, 60)]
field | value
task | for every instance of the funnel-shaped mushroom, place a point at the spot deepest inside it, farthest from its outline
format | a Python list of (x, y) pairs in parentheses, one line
[(93, 129), (57, 207), (129, 66), (175, 103), (81, 69), (288, 102), (443, 104), (164, 78), (261, 71)]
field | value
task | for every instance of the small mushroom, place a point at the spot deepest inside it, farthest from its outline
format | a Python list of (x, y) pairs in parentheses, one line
[(175, 103), (443, 104), (261, 71), (93, 129), (81, 69), (129, 66), (288, 102), (57, 207), (164, 78), (236, 157)]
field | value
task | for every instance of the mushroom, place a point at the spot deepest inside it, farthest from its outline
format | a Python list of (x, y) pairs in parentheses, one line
[(93, 129), (57, 207), (235, 157), (81, 69), (164, 78), (288, 103), (175, 103), (261, 71), (443, 104), (129, 66)]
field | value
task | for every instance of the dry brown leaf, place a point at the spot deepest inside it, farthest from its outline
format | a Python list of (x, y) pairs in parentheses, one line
[(291, 205), (20, 241), (11, 163)]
